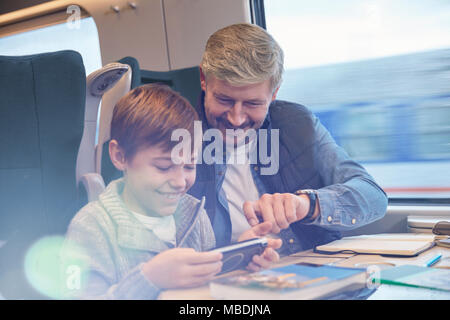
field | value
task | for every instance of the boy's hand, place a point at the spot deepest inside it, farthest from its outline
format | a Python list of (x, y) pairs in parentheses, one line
[(269, 255), (182, 268)]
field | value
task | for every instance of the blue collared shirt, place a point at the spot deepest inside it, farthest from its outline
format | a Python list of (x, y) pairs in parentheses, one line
[(308, 158)]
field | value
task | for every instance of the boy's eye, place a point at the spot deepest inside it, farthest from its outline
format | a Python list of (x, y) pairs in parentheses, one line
[(190, 167), (163, 169)]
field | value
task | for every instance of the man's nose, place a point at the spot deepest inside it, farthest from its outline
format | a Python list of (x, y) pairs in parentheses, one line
[(236, 116)]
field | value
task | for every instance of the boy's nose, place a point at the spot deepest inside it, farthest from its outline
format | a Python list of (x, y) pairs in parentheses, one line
[(178, 181)]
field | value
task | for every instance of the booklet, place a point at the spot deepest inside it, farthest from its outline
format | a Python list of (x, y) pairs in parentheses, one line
[(293, 282), (397, 244)]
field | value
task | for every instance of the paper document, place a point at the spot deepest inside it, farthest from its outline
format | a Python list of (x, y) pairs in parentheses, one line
[(398, 237), (383, 244)]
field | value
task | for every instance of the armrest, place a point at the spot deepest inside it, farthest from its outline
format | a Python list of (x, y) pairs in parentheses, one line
[(93, 184)]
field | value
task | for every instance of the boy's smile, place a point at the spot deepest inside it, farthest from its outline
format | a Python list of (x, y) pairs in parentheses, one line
[(154, 184)]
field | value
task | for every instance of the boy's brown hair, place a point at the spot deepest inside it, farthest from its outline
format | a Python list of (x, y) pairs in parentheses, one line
[(147, 115)]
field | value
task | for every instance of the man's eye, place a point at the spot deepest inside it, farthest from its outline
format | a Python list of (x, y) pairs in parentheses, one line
[(225, 101), (190, 167), (252, 104)]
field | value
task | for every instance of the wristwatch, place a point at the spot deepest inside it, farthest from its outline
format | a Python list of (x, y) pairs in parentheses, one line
[(312, 203)]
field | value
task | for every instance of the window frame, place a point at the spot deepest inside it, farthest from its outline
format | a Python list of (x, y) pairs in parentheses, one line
[(258, 13), (258, 17)]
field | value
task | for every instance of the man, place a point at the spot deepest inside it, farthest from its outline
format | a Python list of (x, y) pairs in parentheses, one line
[(316, 190)]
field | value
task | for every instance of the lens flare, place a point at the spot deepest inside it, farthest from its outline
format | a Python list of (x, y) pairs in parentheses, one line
[(54, 267)]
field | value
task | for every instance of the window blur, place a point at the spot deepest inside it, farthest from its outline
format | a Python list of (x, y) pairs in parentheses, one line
[(377, 74), (83, 38)]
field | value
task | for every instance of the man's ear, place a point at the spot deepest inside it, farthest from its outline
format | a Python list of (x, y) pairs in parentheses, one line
[(117, 155), (202, 79), (274, 95)]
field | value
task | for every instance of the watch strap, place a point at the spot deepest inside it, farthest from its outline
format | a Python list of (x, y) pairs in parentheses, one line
[(312, 204)]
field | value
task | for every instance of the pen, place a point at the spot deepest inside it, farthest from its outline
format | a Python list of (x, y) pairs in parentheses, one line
[(433, 260)]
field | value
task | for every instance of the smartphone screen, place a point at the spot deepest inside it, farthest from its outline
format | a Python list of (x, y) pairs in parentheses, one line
[(239, 255)]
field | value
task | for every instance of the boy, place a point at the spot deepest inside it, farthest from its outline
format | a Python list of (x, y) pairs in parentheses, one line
[(145, 234)]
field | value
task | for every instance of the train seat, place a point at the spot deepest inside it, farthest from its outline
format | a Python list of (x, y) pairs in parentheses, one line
[(104, 87), (184, 81), (41, 125), (104, 166)]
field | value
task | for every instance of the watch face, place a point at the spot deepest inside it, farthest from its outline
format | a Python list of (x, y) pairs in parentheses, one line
[(305, 191)]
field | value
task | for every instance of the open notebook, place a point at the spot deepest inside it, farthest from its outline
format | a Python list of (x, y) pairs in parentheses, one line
[(397, 244)]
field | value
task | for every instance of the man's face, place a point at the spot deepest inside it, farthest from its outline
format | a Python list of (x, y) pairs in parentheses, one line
[(236, 107), (154, 184)]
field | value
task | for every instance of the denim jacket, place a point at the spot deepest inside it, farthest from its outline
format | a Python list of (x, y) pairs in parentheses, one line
[(308, 158), (109, 246)]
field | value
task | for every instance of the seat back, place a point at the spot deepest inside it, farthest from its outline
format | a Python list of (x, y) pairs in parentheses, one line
[(184, 81), (104, 88), (104, 123), (104, 164), (41, 123), (136, 70)]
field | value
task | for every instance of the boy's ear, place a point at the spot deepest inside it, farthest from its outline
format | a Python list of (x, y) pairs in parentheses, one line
[(117, 155)]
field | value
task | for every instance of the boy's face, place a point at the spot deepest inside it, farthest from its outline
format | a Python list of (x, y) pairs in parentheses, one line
[(154, 184)]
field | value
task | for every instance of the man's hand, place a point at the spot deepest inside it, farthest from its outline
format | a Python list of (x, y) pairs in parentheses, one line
[(281, 209), (269, 255), (182, 268)]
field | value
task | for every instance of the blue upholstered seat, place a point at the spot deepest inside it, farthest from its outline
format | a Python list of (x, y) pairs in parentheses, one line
[(42, 101)]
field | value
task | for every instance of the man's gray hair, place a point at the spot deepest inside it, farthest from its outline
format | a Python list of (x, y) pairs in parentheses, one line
[(243, 54)]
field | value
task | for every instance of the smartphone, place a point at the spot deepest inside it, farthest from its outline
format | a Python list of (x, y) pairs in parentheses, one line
[(238, 256)]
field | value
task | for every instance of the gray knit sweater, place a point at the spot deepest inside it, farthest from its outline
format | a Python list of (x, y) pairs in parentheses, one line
[(109, 246)]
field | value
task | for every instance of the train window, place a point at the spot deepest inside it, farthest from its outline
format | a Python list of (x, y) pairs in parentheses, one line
[(433, 128), (376, 73), (82, 37)]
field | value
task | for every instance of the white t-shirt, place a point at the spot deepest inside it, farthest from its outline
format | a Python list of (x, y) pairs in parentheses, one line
[(163, 227), (239, 187)]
